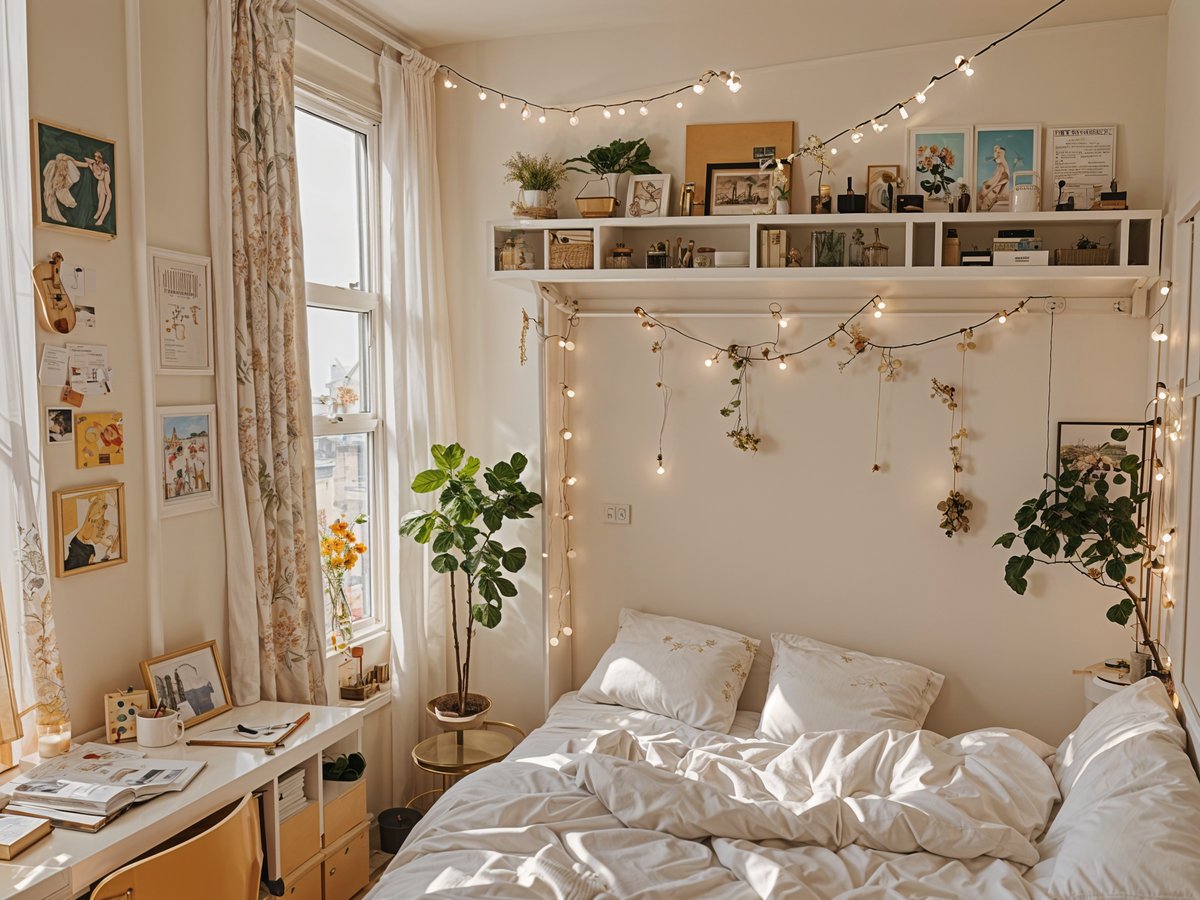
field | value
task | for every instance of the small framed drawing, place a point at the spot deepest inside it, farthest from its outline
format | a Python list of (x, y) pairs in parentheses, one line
[(1090, 447), (649, 195), (120, 714), (75, 180), (189, 680), (187, 461), (89, 528), (939, 162), (1002, 151), (99, 439), (182, 290), (883, 186), (737, 189)]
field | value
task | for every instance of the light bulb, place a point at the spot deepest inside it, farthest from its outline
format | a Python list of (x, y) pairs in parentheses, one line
[(856, 135), (569, 345), (621, 111), (661, 470), (1165, 288), (568, 630), (561, 343), (644, 110), (607, 113), (679, 104), (920, 96), (783, 365), (525, 113), (833, 151), (571, 393), (1162, 394), (878, 314), (877, 126), (881, 304), (708, 362), (1158, 335), (783, 323), (482, 94), (570, 518), (1003, 317), (903, 112), (570, 480), (1158, 476), (571, 554), (574, 120), (1173, 436), (566, 434), (1158, 432), (737, 85), (1169, 536), (503, 103), (447, 83), (698, 87), (542, 118), (553, 642), (959, 60), (967, 70)]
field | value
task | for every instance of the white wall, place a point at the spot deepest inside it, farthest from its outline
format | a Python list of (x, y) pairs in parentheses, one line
[(802, 538)]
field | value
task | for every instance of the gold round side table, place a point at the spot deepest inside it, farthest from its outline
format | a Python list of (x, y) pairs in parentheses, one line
[(453, 754)]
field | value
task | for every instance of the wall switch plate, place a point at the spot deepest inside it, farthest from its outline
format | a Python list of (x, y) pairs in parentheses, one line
[(616, 513)]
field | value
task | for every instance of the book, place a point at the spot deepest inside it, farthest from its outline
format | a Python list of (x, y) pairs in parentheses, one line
[(1021, 258), (83, 782), (60, 818), (20, 832)]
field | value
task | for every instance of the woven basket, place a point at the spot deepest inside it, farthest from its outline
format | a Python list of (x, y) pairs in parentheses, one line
[(533, 212), (1072, 256), (570, 256)]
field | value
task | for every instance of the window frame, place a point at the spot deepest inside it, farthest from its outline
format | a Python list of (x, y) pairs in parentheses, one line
[(364, 299)]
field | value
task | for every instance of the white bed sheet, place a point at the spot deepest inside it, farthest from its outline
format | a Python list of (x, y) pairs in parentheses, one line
[(524, 828)]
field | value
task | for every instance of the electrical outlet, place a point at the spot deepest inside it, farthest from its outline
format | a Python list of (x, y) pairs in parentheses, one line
[(616, 513)]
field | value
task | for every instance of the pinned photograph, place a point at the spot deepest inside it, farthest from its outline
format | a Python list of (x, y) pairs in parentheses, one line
[(99, 439), (59, 422)]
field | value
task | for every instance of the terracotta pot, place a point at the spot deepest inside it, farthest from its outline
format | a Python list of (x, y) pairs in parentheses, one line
[(449, 722)]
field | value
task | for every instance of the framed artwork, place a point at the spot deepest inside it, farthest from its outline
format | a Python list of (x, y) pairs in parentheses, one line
[(731, 142), (182, 291), (189, 680), (1085, 157), (75, 180), (737, 189), (99, 439), (60, 425), (1091, 447), (883, 186), (89, 528), (649, 195), (938, 161), (120, 714), (187, 460), (1001, 151)]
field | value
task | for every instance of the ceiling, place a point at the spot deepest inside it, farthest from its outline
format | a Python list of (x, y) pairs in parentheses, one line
[(791, 29)]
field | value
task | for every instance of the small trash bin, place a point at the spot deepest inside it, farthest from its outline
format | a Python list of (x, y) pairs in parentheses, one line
[(395, 826)]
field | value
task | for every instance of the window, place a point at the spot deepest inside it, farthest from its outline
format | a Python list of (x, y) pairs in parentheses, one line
[(335, 155)]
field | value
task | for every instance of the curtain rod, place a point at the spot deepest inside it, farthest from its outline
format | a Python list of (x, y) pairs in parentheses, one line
[(359, 20)]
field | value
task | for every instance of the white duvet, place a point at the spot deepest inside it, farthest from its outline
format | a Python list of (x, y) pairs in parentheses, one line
[(606, 802)]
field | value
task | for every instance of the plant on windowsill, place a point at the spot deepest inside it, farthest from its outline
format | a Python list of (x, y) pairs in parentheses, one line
[(1074, 522), (340, 553), (610, 163), (471, 556)]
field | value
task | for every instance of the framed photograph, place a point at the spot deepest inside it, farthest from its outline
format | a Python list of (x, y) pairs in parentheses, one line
[(182, 295), (1085, 157), (60, 425), (649, 195), (187, 459), (939, 160), (883, 186), (189, 680), (737, 189), (89, 528), (120, 714), (1001, 151), (99, 439), (1090, 447), (75, 180)]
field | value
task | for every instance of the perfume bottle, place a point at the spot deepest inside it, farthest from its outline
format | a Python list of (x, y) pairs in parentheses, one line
[(951, 248), (851, 202)]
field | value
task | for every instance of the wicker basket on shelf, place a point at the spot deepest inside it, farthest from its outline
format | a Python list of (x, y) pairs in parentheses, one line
[(573, 255), (1073, 256)]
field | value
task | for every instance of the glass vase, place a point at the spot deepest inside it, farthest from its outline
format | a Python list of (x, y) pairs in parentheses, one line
[(856, 249), (342, 632), (829, 248)]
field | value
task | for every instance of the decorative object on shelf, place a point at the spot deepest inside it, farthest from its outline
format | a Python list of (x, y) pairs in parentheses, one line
[(781, 187), (822, 203), (737, 189), (460, 546), (515, 254), (572, 249), (910, 203), (684, 253), (75, 182), (828, 248), (773, 248), (1086, 252), (883, 184), (188, 459), (56, 312), (705, 257), (340, 552), (120, 714), (851, 202), (687, 198), (875, 254), (1082, 158), (856, 248), (648, 195), (89, 528), (609, 162), (537, 178), (1026, 192), (353, 683), (620, 257), (182, 287), (732, 142), (951, 248), (937, 157), (975, 257), (190, 680), (793, 258), (658, 256), (963, 190), (1001, 150), (1112, 198), (99, 439)]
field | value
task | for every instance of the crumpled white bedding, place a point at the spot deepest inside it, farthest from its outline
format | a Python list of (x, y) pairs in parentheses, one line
[(607, 802)]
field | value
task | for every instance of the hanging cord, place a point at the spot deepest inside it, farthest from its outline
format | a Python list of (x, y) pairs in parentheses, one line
[(1049, 393)]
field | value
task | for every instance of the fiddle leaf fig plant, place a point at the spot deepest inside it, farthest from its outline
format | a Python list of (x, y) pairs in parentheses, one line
[(1079, 520), (616, 159), (461, 530)]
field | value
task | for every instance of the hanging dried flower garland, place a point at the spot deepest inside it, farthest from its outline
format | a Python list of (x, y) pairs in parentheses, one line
[(957, 504)]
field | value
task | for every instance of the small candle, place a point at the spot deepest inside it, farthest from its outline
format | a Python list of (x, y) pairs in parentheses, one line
[(50, 745)]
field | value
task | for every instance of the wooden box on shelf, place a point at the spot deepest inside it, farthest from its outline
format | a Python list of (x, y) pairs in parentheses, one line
[(347, 865), (300, 837), (345, 808), (1073, 256)]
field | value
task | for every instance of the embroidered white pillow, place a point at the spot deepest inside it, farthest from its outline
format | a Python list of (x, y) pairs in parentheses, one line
[(688, 671), (820, 687)]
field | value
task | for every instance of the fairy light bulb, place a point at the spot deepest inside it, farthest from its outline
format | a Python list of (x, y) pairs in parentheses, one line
[(620, 111), (856, 135), (783, 365), (644, 110), (881, 304), (1169, 536), (503, 102), (482, 94), (877, 126), (571, 554), (447, 82), (783, 323), (570, 392), (554, 641), (568, 630), (570, 517), (525, 113), (1174, 435), (570, 480), (878, 314), (607, 113), (1159, 334), (698, 87), (1159, 476), (574, 120), (1162, 390), (1164, 288), (661, 470), (562, 343), (903, 112), (1003, 317), (566, 434), (542, 118), (679, 104), (735, 83), (833, 151), (568, 345), (708, 362)]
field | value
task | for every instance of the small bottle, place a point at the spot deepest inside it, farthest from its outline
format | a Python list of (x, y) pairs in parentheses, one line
[(951, 250)]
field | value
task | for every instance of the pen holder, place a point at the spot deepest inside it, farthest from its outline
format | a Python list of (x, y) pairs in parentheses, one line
[(158, 728)]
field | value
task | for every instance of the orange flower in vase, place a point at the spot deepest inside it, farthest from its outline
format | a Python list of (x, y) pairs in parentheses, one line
[(340, 553)]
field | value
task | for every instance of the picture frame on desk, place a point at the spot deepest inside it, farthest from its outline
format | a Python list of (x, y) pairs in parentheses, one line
[(190, 680)]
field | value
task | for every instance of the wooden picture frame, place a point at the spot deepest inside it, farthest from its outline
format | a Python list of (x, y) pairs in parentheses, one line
[(164, 680), (89, 522), (74, 180), (182, 304), (648, 196), (878, 179), (741, 176), (189, 478)]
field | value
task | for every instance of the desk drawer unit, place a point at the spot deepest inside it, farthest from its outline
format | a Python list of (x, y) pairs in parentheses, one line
[(306, 884), (299, 838), (345, 808), (347, 864)]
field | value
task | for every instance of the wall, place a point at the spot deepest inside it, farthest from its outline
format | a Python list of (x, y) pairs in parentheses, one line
[(800, 538)]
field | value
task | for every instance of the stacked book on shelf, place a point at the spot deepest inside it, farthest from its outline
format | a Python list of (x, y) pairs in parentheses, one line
[(773, 246), (291, 798), (1018, 247)]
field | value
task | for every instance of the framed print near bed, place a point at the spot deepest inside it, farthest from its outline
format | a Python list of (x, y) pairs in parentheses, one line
[(938, 156), (75, 181), (187, 461), (737, 189), (182, 294), (189, 680), (89, 528), (1002, 151)]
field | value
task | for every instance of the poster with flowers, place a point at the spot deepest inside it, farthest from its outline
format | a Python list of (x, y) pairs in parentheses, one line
[(938, 158)]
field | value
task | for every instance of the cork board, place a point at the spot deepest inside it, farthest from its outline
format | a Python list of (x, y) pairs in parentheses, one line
[(733, 142)]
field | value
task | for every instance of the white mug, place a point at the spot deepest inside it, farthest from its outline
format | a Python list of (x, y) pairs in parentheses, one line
[(158, 731)]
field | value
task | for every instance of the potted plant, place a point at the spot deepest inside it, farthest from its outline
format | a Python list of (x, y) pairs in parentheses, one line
[(1075, 522), (462, 530), (537, 176), (610, 163)]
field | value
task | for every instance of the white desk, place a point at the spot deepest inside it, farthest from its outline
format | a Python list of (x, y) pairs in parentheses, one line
[(67, 863)]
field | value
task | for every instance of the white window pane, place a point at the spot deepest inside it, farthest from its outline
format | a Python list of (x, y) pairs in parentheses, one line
[(337, 345), (343, 468), (331, 161)]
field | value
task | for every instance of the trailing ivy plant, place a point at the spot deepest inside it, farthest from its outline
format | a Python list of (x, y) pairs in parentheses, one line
[(464, 550), (1077, 521)]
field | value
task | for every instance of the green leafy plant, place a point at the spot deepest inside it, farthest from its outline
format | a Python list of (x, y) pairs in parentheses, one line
[(615, 159), (1076, 521), (464, 550), (535, 173), (1086, 243)]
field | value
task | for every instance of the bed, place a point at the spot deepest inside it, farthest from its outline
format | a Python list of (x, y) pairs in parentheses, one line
[(609, 801)]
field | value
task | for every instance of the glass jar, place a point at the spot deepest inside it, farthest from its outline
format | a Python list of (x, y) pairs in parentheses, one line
[(876, 252), (54, 739), (856, 247), (705, 258), (620, 257)]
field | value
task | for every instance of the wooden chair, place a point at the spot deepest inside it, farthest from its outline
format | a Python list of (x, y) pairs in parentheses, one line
[(224, 861)]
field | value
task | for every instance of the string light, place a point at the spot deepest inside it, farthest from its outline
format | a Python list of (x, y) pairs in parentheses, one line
[(570, 480), (482, 94), (568, 630), (1168, 536), (448, 83), (920, 98), (607, 113), (565, 434), (620, 111), (783, 364), (569, 345), (679, 104), (542, 118), (569, 391), (1165, 288), (571, 554), (1162, 391), (661, 470), (574, 120), (1003, 317), (963, 64), (554, 641), (708, 362), (525, 113), (878, 127), (856, 136), (698, 87), (644, 110), (503, 103), (1159, 334), (903, 112)]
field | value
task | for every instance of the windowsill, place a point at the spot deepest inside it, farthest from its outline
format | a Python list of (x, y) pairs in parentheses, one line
[(377, 633), (372, 704)]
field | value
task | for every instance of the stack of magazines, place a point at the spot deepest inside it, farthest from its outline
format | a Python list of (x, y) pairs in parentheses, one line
[(291, 796)]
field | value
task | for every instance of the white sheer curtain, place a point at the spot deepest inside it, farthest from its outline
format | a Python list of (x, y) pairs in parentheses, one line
[(420, 398)]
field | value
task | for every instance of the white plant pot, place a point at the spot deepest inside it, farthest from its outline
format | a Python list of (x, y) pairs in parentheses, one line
[(531, 199), (783, 207)]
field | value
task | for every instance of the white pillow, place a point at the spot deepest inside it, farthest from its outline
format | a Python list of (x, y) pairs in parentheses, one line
[(820, 687), (674, 667)]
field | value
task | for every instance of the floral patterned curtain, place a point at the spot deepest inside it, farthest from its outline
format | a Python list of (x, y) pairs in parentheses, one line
[(276, 539)]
